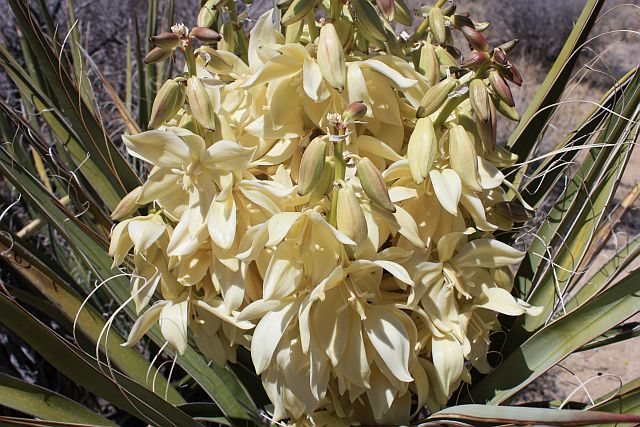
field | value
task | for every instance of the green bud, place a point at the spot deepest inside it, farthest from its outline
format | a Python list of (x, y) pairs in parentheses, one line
[(311, 166), (350, 217), (437, 25), (449, 8), (169, 100), (387, 8), (208, 15), (368, 21), (201, 102), (506, 110), (480, 100), (428, 65), (373, 184), (156, 55), (127, 205), (487, 129), (403, 14), (297, 11), (435, 97), (509, 46)]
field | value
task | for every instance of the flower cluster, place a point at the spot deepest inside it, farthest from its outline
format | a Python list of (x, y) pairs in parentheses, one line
[(326, 197)]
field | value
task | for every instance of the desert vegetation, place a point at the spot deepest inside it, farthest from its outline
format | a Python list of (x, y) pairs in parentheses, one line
[(317, 213)]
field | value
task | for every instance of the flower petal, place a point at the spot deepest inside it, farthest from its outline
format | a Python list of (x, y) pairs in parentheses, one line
[(159, 147), (389, 337)]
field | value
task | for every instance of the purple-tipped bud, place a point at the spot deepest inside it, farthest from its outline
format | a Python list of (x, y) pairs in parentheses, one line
[(501, 87), (475, 39), (513, 75), (356, 111), (475, 59), (157, 55), (166, 40), (500, 57), (205, 35)]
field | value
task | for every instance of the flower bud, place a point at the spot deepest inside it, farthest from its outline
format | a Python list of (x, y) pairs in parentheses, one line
[(480, 101), (444, 57), (437, 25), (311, 166), (325, 183), (435, 97), (487, 129), (127, 205), (166, 40), (475, 59), (512, 74), (297, 11), (205, 35), (506, 110), (201, 102), (459, 21), (373, 184), (387, 8), (449, 8), (509, 46), (475, 39), (368, 21), (331, 59), (428, 64), (403, 14), (482, 25), (501, 87), (350, 217), (156, 55), (208, 15), (169, 100), (356, 111), (500, 57)]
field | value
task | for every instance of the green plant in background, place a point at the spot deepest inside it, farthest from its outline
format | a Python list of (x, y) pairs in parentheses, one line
[(326, 235)]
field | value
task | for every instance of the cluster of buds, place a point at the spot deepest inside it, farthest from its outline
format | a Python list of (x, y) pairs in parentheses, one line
[(179, 37), (326, 196)]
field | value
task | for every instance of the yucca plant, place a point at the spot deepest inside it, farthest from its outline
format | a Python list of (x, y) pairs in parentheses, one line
[(318, 226)]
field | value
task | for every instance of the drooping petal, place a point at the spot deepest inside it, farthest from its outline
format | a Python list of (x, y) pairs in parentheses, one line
[(448, 360), (389, 337), (159, 147), (222, 221), (488, 253), (284, 273), (227, 155), (268, 333), (144, 323), (448, 188), (173, 324)]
